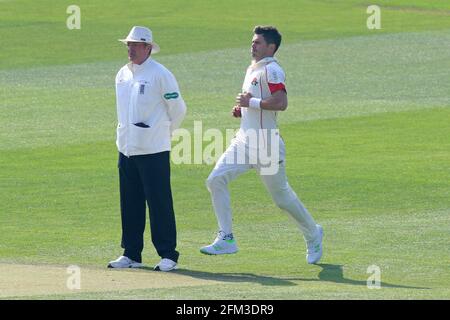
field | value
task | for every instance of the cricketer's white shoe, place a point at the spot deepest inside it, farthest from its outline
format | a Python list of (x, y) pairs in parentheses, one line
[(124, 262), (165, 265), (314, 248), (221, 245)]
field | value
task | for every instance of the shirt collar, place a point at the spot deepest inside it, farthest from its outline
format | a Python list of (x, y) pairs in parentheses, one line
[(138, 67), (262, 62)]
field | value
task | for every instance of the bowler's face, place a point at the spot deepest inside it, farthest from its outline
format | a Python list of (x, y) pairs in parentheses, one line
[(260, 48), (138, 51)]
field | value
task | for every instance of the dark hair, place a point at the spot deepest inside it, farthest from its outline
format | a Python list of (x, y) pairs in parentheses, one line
[(270, 34)]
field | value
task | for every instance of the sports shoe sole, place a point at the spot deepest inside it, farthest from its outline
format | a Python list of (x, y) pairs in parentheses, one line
[(217, 253), (157, 268), (128, 267)]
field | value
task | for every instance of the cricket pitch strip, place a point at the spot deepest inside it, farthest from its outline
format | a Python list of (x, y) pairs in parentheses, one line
[(20, 280)]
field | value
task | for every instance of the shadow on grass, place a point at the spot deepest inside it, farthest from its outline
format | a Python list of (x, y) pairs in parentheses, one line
[(329, 273), (233, 277), (334, 273)]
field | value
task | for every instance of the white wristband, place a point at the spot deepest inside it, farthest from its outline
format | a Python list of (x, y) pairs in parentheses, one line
[(254, 103)]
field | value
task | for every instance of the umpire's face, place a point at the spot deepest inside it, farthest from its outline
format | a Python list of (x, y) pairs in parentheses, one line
[(138, 52)]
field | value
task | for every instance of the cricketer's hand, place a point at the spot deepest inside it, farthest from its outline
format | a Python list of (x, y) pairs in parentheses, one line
[(243, 99), (236, 112)]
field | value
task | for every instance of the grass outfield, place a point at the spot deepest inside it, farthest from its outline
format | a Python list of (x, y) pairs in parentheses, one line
[(367, 137)]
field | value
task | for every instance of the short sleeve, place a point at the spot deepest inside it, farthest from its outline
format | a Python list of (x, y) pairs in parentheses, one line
[(275, 78)]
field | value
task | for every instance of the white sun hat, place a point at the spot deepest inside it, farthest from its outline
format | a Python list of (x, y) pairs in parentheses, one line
[(141, 34)]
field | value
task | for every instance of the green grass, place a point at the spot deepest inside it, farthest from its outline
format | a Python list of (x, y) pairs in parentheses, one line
[(366, 131), (39, 27)]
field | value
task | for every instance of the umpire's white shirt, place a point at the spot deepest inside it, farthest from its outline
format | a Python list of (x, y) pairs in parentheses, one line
[(147, 95)]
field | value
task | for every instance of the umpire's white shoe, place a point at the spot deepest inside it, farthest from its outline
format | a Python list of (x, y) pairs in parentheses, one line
[(223, 244), (166, 265), (314, 251), (124, 262)]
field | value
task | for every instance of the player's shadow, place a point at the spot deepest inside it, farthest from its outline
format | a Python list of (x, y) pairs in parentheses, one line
[(335, 273), (329, 273), (233, 277)]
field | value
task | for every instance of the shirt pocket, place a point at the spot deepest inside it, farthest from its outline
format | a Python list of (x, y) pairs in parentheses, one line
[(143, 104), (156, 138)]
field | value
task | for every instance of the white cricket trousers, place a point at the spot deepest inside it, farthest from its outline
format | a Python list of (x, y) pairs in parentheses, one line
[(227, 169)]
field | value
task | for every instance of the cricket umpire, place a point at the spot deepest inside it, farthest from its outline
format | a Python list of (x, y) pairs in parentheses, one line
[(149, 109)]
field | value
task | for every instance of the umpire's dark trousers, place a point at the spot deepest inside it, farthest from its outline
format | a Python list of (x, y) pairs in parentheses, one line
[(146, 178)]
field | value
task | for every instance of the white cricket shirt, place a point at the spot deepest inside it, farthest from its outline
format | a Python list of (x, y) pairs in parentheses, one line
[(261, 80), (149, 108)]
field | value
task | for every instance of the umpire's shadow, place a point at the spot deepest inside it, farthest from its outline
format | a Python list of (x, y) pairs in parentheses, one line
[(233, 277), (335, 273)]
